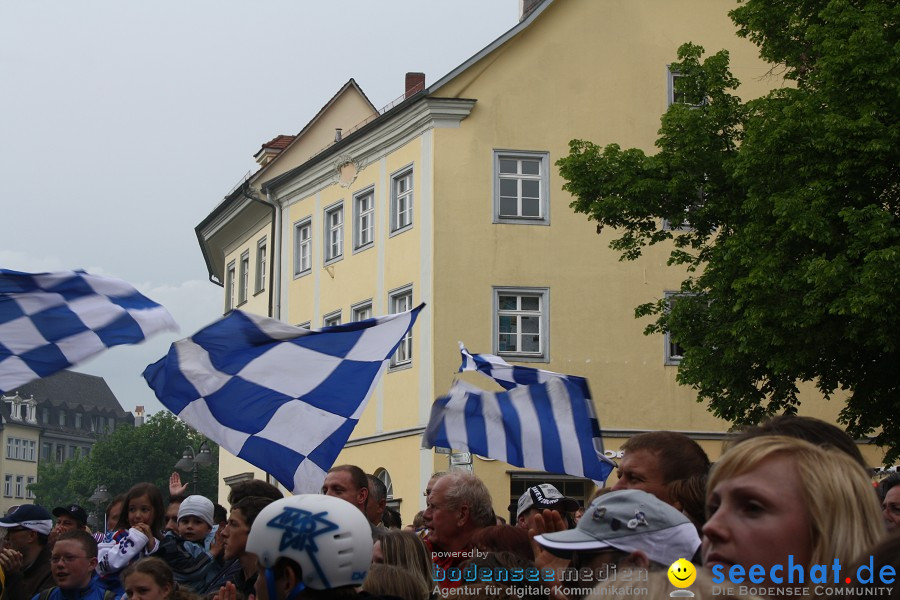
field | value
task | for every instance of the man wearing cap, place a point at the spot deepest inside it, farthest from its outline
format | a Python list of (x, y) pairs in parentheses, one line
[(68, 518), (26, 557), (626, 528), (538, 498)]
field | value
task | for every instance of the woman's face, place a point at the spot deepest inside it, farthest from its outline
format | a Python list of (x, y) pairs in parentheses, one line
[(140, 586), (758, 518)]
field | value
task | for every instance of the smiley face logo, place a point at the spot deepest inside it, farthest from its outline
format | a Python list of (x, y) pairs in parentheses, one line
[(682, 573)]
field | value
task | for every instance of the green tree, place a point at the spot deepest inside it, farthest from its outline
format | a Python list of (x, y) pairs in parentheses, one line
[(124, 457), (792, 257)]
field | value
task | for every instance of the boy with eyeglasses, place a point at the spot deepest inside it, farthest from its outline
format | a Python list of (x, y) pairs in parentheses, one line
[(73, 562)]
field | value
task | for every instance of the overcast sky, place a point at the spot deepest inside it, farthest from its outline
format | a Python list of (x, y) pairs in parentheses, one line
[(123, 123)]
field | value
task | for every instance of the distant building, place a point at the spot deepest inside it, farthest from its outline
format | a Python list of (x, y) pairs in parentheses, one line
[(55, 418)]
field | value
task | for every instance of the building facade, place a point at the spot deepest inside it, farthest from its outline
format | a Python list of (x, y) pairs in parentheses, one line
[(450, 196), (56, 418)]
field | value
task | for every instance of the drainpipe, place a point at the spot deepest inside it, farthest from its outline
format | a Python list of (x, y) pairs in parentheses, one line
[(275, 272), (248, 193)]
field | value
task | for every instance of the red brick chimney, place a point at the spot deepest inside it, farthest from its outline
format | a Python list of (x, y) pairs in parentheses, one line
[(415, 83)]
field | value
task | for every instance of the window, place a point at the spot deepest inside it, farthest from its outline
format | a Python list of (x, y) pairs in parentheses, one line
[(521, 187), (306, 325), (401, 301), (680, 96), (674, 352), (401, 201), (521, 323), (364, 217), (7, 486), (45, 416), (20, 486), (260, 266), (334, 233), (78, 419), (45, 451), (9, 448), (60, 453), (302, 247), (229, 287), (28, 492), (29, 450), (332, 319), (245, 277), (361, 311), (62, 418), (73, 452), (86, 451)]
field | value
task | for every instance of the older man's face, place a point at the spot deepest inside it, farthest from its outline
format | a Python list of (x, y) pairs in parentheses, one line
[(443, 520), (891, 508)]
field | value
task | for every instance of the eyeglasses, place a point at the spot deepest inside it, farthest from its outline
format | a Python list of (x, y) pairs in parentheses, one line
[(67, 559)]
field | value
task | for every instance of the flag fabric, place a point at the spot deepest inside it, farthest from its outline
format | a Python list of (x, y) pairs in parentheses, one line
[(283, 398), (510, 377), (50, 321), (545, 426)]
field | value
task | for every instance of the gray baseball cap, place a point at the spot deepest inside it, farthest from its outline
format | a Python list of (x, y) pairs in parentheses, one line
[(629, 520)]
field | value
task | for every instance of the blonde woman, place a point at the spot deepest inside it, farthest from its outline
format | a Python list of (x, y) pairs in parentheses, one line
[(406, 550), (776, 501)]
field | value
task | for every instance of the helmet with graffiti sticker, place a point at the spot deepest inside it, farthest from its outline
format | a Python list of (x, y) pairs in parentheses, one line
[(329, 538)]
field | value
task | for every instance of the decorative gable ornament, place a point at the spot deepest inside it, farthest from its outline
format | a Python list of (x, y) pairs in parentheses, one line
[(346, 169)]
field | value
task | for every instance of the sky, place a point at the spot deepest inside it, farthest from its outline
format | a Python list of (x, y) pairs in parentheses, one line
[(124, 123)]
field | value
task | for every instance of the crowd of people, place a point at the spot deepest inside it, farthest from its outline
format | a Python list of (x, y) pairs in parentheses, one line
[(788, 510)]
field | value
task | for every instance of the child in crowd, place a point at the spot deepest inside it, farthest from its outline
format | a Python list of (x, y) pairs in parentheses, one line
[(192, 564), (138, 526)]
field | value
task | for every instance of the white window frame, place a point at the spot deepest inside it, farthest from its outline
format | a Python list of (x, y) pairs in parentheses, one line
[(8, 485), (361, 311), (20, 486), (29, 493), (302, 247), (331, 319), (9, 447), (229, 286), (305, 325), (671, 76), (61, 418), (244, 284), (401, 300), (402, 202), (333, 244), (261, 262), (364, 220), (672, 349), (543, 312), (543, 179), (30, 450)]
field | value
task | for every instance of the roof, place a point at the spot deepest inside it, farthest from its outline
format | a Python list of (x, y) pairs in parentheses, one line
[(279, 142), (71, 389)]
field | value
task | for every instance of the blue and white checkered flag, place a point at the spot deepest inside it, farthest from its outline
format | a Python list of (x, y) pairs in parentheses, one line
[(513, 377), (50, 321), (283, 398)]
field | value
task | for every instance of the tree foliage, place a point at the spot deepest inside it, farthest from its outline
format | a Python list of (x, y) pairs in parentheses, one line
[(793, 254), (126, 456)]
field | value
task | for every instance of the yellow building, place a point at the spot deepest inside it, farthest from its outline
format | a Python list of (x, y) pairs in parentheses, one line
[(20, 449), (450, 196)]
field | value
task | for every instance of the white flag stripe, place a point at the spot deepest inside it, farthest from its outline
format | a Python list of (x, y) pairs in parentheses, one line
[(198, 368), (565, 423)]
